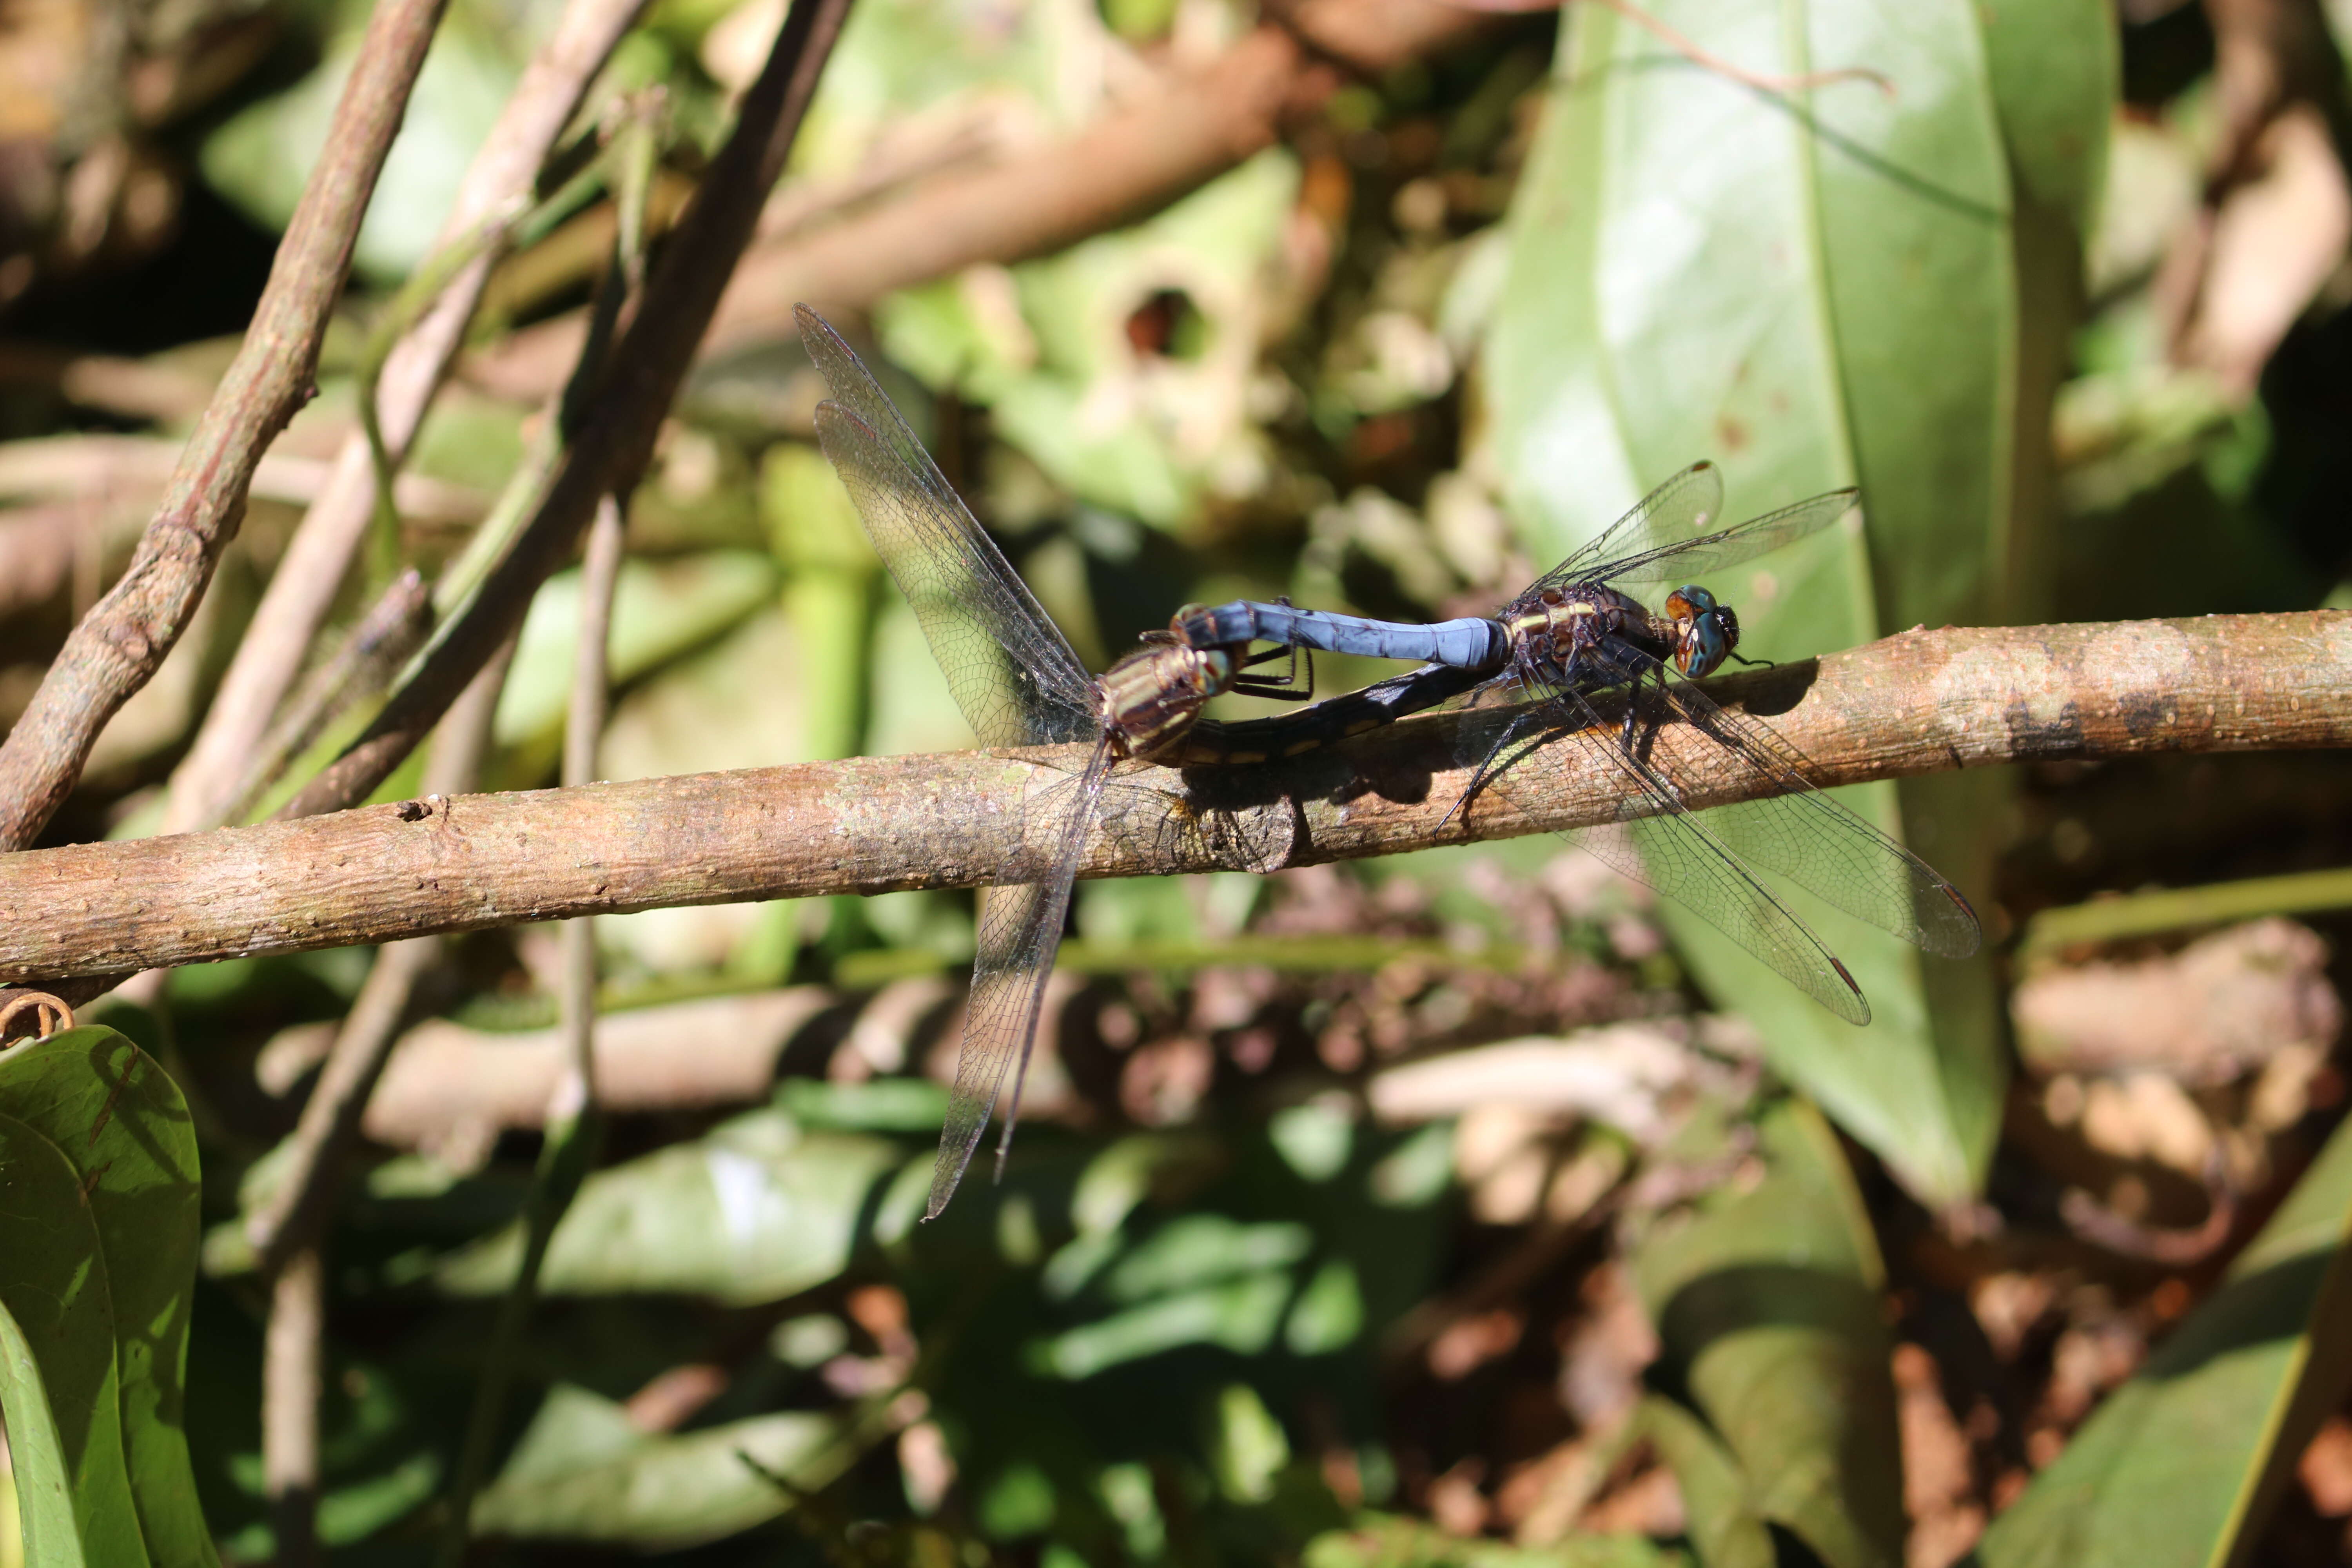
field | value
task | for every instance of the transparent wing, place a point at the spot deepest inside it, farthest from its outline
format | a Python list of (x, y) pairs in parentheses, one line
[(1011, 670), (1020, 928), (1562, 742), (1681, 509), (1689, 562), (1800, 832)]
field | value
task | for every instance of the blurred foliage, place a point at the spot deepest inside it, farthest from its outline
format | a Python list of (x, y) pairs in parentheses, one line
[(1458, 1208)]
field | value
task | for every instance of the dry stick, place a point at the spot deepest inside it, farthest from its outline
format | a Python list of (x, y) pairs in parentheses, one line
[(117, 645), (1919, 703), (294, 1214), (575, 1122), (289, 1408), (615, 438), (371, 654), (286, 1232), (303, 588)]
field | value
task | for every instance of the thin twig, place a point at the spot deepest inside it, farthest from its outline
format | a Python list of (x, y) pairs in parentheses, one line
[(293, 1216), (615, 439), (303, 588), (289, 1408), (575, 1123), (372, 653), (287, 1232), (119, 644), (91, 466), (1920, 703)]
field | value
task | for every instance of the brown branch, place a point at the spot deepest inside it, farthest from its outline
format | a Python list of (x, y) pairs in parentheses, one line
[(290, 1218), (613, 438), (289, 1408), (303, 589), (117, 648), (1919, 703), (1134, 159), (286, 1228)]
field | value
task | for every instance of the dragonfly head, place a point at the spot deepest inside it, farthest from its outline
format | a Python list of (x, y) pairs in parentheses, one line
[(1706, 632)]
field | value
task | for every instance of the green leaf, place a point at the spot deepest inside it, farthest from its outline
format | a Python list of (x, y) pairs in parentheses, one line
[(756, 1211), (2057, 68), (1815, 291), (1724, 1529), (57, 1378), (261, 158), (1766, 1305), (1379, 1541), (582, 1473), (660, 610), (120, 1123), (2182, 1464)]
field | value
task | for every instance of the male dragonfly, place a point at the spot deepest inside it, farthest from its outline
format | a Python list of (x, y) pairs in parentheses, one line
[(1019, 684), (1574, 648)]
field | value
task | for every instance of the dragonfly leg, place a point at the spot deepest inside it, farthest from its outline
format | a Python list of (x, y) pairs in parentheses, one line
[(1488, 766), (1291, 686)]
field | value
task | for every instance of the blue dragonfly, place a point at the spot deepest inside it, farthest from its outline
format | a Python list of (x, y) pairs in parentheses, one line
[(1585, 674)]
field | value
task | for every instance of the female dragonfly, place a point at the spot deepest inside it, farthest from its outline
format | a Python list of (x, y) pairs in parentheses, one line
[(1593, 675), (1016, 677)]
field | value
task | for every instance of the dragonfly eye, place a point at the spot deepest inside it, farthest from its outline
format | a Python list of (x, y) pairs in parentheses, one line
[(1704, 644)]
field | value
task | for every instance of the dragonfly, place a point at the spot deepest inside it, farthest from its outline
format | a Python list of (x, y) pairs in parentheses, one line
[(1019, 683), (1583, 673)]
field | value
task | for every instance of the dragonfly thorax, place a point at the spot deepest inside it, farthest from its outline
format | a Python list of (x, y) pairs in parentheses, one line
[(1151, 699), (1553, 627)]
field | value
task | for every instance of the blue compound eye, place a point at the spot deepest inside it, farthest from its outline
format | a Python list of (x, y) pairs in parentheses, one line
[(1708, 635), (1704, 647)]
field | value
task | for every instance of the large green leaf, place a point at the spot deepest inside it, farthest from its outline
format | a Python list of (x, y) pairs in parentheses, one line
[(1815, 290), (1766, 1305), (659, 611), (121, 1125), (584, 1473), (261, 158), (758, 1210), (2181, 1466), (1386, 1540), (1724, 1528), (57, 1361)]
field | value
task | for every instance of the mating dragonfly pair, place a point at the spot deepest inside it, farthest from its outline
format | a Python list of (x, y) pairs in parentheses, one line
[(1589, 682)]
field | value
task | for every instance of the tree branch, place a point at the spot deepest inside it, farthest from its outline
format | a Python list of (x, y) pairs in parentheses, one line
[(303, 587), (613, 439), (1922, 703), (120, 642)]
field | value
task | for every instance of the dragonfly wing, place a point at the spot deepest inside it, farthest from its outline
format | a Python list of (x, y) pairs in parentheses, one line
[(1689, 562), (1681, 509), (1020, 930), (1563, 741), (1011, 671), (1799, 832)]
